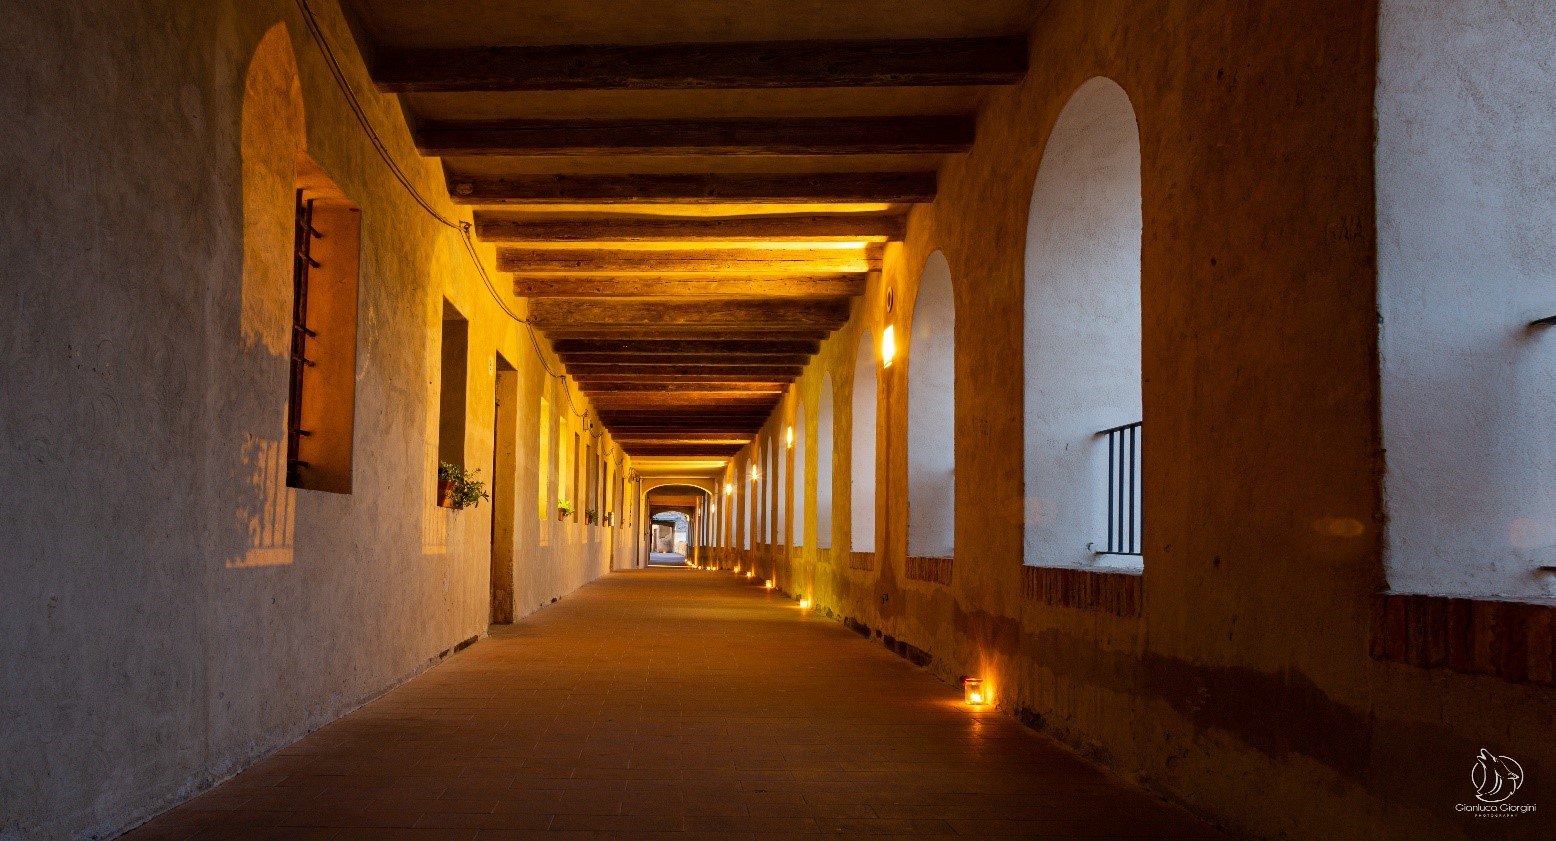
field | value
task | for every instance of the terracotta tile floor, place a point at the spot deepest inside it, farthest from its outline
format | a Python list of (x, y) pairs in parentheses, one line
[(672, 704)]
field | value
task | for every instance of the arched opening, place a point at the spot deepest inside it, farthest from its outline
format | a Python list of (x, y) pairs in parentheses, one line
[(781, 451), (825, 453), (931, 361), (1081, 353), (862, 454), (676, 523), (799, 473)]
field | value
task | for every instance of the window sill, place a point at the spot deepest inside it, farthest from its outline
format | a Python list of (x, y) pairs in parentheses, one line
[(931, 570), (1103, 590), (1512, 640)]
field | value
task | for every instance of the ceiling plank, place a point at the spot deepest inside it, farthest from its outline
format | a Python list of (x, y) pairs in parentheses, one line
[(798, 261), (697, 188), (671, 332), (651, 286), (760, 64), (717, 360), (649, 347), (734, 372), (834, 227), (588, 381), (675, 387), (751, 315), (920, 135)]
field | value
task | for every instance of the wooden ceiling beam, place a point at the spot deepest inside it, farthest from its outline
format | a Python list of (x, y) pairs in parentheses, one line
[(661, 286), (750, 315), (669, 347), (718, 360), (921, 135), (697, 188), (673, 332), (731, 65), (834, 227), (592, 388), (786, 261), (734, 372)]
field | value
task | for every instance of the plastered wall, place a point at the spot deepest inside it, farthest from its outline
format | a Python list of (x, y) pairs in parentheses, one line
[(171, 611), (1244, 688)]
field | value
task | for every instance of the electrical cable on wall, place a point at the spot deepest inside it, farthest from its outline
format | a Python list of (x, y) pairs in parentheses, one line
[(460, 226)]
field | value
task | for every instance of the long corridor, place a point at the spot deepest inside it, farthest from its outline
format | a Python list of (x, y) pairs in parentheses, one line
[(673, 704)]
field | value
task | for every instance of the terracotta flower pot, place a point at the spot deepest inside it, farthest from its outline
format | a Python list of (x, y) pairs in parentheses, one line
[(446, 493)]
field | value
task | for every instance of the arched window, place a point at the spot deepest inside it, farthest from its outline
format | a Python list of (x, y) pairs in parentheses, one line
[(743, 493), (1082, 338), (753, 504), (1465, 246), (780, 490), (800, 472), (931, 361), (862, 454), (825, 452)]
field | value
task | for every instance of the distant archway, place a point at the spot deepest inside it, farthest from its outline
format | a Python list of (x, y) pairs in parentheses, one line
[(931, 361)]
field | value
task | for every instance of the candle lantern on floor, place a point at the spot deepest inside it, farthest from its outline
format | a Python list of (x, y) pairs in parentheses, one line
[(973, 690)]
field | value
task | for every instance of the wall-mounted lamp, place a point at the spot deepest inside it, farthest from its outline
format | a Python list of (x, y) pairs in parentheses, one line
[(888, 346), (729, 488), (973, 691), (755, 474), (788, 437)]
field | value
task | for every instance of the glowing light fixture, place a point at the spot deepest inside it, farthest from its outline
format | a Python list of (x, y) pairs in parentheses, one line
[(888, 346), (737, 569), (973, 690), (768, 585), (750, 573), (729, 488), (755, 474), (804, 604), (788, 437)]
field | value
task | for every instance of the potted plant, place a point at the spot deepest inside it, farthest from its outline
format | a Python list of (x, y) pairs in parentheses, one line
[(564, 509), (610, 518), (592, 517), (458, 488)]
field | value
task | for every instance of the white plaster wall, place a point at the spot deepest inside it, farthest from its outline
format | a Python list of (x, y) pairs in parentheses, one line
[(1082, 322), (861, 498), (780, 489), (1466, 203), (825, 452), (931, 361), (170, 612)]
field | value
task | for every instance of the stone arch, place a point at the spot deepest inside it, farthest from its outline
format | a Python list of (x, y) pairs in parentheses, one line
[(931, 362), (799, 473), (861, 498), (1082, 346), (826, 453)]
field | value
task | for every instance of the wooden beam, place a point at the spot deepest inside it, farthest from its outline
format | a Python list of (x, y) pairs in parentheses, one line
[(784, 261), (834, 227), (682, 449), (671, 332), (759, 64), (926, 135), (709, 360), (750, 315), (651, 347), (734, 372), (704, 377), (705, 188), (683, 435), (660, 286), (592, 388)]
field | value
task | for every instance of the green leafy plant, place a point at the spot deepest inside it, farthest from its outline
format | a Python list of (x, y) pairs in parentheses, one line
[(564, 509), (465, 489), (591, 516)]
